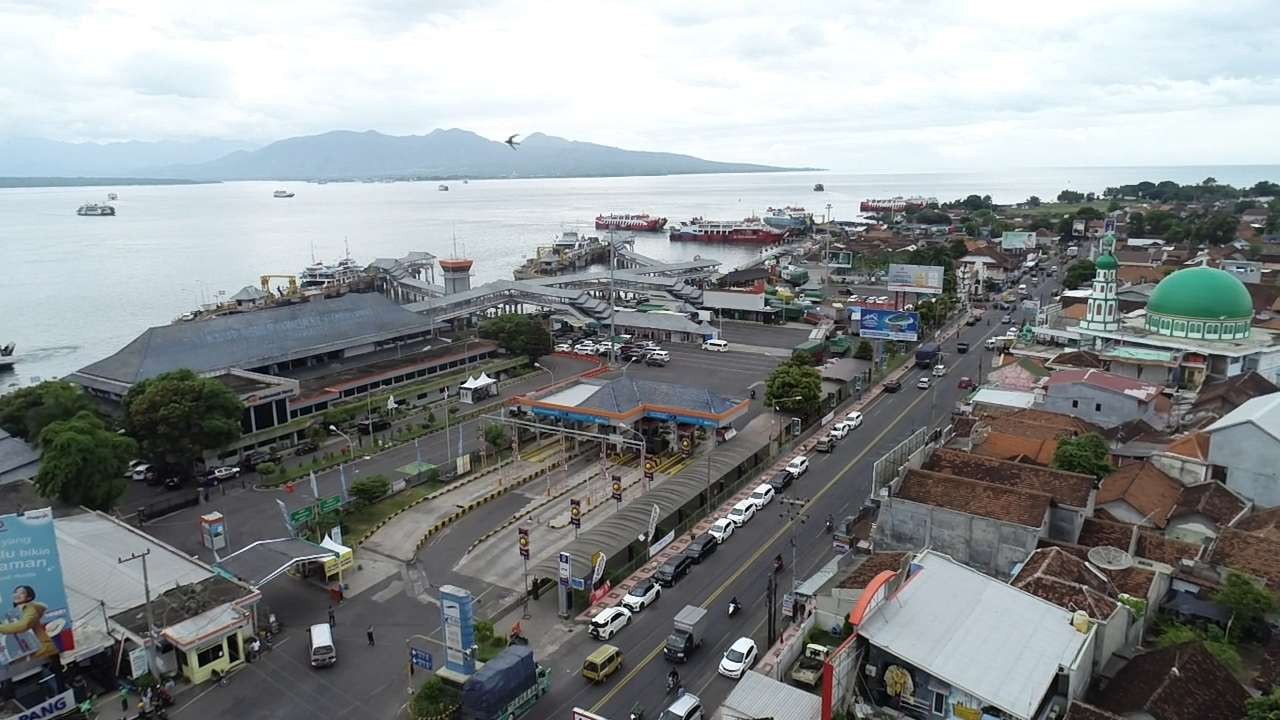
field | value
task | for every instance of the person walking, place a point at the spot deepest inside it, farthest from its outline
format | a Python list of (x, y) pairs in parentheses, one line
[(332, 621), (369, 634)]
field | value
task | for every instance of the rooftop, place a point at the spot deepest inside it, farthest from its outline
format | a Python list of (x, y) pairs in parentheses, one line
[(1211, 499), (1248, 553), (1264, 522), (1025, 445), (1006, 398), (1183, 682), (998, 502), (1067, 581), (1194, 446), (1064, 487), (1077, 359), (17, 457), (1149, 545), (1133, 330), (1146, 489), (1119, 384), (626, 399), (983, 636), (1263, 412), (871, 566), (760, 696), (1234, 391)]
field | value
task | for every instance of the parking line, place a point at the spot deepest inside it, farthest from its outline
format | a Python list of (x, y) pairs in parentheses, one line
[(758, 553)]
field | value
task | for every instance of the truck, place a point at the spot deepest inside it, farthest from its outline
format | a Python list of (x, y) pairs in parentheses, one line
[(1073, 251), (807, 671), (506, 687), (927, 355), (686, 636)]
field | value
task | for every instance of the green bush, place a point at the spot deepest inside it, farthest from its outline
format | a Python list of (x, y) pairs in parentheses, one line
[(434, 700), (370, 490), (266, 469)]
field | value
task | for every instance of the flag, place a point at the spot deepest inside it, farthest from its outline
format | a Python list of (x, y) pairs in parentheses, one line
[(315, 492), (391, 402)]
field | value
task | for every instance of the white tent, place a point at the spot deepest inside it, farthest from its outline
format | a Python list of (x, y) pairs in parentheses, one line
[(477, 388)]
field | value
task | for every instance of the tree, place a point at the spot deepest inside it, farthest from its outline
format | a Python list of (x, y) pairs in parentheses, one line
[(1089, 212), (24, 413), (1217, 228), (370, 490), (864, 351), (1215, 641), (83, 462), (1033, 201), (1211, 180), (1079, 273), (179, 415), (495, 436), (1137, 225), (1070, 196), (1265, 707), (434, 700), (794, 387), (1265, 188), (1114, 205), (1248, 602), (803, 357), (957, 248), (518, 334), (1085, 454)]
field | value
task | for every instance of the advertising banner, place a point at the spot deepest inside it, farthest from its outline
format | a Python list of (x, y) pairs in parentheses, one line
[(889, 325), (597, 568), (566, 569), (457, 617), (37, 623), (915, 278)]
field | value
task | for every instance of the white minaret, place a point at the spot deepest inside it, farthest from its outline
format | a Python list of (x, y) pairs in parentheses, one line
[(1104, 309)]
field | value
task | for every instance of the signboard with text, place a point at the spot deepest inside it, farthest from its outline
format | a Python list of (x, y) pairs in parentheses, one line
[(457, 617), (37, 621), (889, 325), (915, 278)]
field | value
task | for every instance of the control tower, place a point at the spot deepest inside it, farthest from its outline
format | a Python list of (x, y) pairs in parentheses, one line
[(456, 273)]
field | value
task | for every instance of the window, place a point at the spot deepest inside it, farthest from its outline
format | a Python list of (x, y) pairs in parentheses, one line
[(208, 655), (1211, 329), (1097, 407), (1075, 403), (1180, 327), (1197, 328), (939, 703)]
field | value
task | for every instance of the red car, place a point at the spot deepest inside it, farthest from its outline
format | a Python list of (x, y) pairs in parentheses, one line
[(966, 384)]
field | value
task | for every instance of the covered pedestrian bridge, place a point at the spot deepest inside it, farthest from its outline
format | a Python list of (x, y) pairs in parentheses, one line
[(265, 560)]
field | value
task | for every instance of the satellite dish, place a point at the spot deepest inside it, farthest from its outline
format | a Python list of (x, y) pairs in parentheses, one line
[(1110, 558)]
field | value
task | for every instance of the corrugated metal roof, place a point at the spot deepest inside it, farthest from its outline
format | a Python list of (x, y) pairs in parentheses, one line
[(1009, 398), (758, 696), (1261, 411), (990, 639)]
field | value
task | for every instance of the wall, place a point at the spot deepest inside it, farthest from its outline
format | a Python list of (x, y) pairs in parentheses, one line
[(1157, 374), (1111, 634), (1082, 671), (1184, 470), (1065, 522), (991, 546), (1251, 458), (1115, 408), (1195, 528), (834, 606), (1126, 513)]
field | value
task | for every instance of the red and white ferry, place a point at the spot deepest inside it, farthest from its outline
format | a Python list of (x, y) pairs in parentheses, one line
[(748, 231), (634, 223)]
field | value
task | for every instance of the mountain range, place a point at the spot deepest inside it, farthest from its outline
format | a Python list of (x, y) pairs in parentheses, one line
[(345, 154)]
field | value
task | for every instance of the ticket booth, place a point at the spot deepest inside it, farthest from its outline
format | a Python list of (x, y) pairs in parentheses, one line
[(213, 531)]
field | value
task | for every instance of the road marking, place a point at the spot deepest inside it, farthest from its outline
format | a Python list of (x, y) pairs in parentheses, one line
[(759, 552)]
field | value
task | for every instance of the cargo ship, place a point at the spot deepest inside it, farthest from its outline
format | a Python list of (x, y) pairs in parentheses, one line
[(749, 231), (897, 204), (789, 219), (634, 223)]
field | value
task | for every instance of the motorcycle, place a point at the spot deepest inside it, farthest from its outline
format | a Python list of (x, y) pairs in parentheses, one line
[(672, 682), (733, 609), (637, 712), (830, 526), (777, 564)]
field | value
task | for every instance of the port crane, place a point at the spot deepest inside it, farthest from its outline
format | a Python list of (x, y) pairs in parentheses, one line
[(292, 289)]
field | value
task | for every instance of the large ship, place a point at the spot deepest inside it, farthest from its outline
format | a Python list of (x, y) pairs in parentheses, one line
[(789, 219), (748, 231), (7, 357), (897, 204), (94, 209), (318, 276), (634, 223)]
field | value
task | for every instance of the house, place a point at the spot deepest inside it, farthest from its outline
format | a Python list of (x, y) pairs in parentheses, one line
[(1105, 399), (1152, 365), (1185, 459), (1139, 493), (1246, 442), (1076, 359), (1071, 583), (1148, 548), (1183, 682), (1203, 510), (986, 268), (1007, 440), (1250, 554), (739, 305), (1219, 397), (18, 460), (835, 594), (1255, 216), (1264, 522), (988, 526), (950, 642), (842, 378), (1017, 373), (1071, 494)]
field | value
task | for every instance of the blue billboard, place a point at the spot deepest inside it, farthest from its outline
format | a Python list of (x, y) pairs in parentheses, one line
[(37, 626), (889, 325)]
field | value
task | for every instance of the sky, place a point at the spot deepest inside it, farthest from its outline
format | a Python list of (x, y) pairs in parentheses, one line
[(916, 85)]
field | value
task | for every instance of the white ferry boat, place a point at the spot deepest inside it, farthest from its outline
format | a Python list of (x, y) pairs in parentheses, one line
[(318, 276), (95, 209), (282, 194)]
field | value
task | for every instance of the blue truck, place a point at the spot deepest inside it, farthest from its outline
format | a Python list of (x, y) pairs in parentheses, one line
[(506, 687), (927, 355)]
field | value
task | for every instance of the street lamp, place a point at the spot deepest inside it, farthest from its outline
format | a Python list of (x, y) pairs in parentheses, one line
[(351, 448), (546, 369), (775, 408), (351, 456)]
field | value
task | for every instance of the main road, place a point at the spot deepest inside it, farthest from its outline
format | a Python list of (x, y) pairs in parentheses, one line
[(836, 484)]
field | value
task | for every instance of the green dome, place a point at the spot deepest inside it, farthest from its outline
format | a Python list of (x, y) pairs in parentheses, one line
[(1201, 293), (1106, 262)]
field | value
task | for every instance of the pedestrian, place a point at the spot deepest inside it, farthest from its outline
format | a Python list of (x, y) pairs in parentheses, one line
[(332, 621), (369, 634)]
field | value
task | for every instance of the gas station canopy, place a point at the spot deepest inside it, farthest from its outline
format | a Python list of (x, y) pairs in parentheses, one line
[(265, 560)]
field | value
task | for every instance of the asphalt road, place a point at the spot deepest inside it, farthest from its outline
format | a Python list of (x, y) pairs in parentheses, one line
[(836, 483)]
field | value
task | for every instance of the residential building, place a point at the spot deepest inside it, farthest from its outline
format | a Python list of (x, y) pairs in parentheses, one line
[(949, 642), (1246, 444), (1139, 493), (1203, 511), (1254, 554), (836, 593), (1219, 397), (739, 305), (1105, 399), (1147, 547), (1183, 682), (1017, 373), (986, 268)]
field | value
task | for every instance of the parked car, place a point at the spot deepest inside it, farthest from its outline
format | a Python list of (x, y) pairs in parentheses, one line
[(226, 472), (258, 457), (966, 384), (585, 348), (1006, 319), (827, 443), (609, 622), (841, 430), (739, 658), (306, 446), (762, 495), (798, 466), (721, 529), (642, 595), (142, 472), (781, 481), (701, 548), (134, 465), (670, 572), (173, 482), (742, 513), (657, 358), (563, 347), (892, 386), (854, 420)]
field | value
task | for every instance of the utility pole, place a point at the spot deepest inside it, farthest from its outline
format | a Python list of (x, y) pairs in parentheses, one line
[(146, 593), (793, 512), (771, 604)]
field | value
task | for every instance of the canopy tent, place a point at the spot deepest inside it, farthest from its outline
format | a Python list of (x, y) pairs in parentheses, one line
[(477, 388), (344, 560)]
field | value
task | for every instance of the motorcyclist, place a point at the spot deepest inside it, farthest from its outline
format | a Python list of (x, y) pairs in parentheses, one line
[(673, 679), (777, 563), (733, 605), (830, 523)]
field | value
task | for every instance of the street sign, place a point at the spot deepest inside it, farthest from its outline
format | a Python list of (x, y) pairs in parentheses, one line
[(579, 584), (302, 515), (617, 488), (330, 504), (788, 604), (566, 568), (575, 513), (421, 658), (650, 466), (524, 543)]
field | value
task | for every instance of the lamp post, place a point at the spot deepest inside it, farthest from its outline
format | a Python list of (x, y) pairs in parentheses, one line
[(547, 370), (351, 456), (775, 409)]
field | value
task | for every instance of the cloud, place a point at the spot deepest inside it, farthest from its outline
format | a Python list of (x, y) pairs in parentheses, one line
[(930, 85)]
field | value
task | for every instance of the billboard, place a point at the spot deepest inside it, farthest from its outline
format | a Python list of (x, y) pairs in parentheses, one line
[(38, 624), (889, 325), (915, 278)]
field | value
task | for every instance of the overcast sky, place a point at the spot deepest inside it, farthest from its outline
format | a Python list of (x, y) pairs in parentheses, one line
[(910, 85)]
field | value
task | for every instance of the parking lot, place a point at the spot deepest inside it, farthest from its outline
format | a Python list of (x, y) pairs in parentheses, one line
[(729, 373)]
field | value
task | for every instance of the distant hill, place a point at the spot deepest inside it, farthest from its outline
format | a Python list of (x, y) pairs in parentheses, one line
[(33, 157), (441, 154)]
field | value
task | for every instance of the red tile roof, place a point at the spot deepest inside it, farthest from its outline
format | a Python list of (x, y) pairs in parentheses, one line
[(1194, 446), (869, 568), (1021, 448), (1211, 499), (1054, 575), (1250, 554), (1183, 682), (1264, 522), (1077, 358), (1146, 392), (1065, 488), (1146, 489), (1022, 507), (1095, 532)]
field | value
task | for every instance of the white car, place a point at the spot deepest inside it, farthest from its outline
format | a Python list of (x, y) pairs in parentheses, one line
[(226, 472), (739, 658), (608, 622), (1011, 332), (721, 529), (855, 298), (715, 345), (563, 347), (923, 383), (641, 595), (840, 430), (798, 466), (853, 419), (604, 348), (585, 348), (762, 495), (939, 370), (133, 465), (742, 512)]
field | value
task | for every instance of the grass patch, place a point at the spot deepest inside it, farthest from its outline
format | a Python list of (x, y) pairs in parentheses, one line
[(359, 522)]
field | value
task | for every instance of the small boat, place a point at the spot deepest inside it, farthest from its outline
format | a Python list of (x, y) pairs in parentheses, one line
[(7, 356), (94, 209), (817, 187), (442, 187), (282, 194), (112, 196)]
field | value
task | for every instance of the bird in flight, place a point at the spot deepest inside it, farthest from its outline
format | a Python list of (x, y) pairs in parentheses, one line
[(512, 142)]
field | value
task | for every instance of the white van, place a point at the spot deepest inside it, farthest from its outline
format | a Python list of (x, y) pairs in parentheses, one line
[(323, 652), (715, 345)]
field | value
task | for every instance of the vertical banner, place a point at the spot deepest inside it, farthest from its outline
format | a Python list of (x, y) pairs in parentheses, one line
[(575, 513), (37, 622), (523, 542), (457, 617), (566, 569), (597, 567), (653, 523), (617, 488)]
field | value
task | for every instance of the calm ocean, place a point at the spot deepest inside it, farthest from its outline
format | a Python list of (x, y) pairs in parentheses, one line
[(76, 289)]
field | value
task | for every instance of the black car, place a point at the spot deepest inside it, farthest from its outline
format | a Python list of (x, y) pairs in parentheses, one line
[(962, 347), (257, 457), (306, 446), (701, 548), (781, 481), (173, 482), (892, 386), (670, 572)]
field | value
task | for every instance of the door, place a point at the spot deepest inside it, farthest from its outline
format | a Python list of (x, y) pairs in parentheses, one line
[(233, 649)]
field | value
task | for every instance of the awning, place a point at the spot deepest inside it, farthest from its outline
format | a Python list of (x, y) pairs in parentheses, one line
[(345, 560), (266, 560)]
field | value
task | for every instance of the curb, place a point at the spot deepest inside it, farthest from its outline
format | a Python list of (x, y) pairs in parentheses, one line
[(523, 514), (429, 496)]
